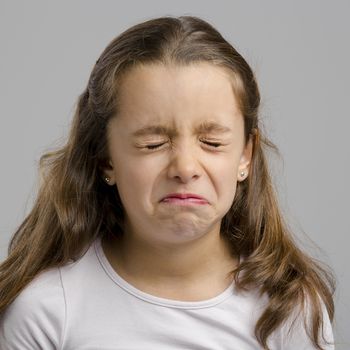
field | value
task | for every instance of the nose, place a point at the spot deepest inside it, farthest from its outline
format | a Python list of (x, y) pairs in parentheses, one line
[(184, 165)]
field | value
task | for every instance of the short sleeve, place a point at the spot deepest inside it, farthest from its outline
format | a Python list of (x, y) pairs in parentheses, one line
[(35, 319), (294, 335)]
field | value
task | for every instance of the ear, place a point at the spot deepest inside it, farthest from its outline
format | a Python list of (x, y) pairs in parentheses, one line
[(107, 170), (245, 160)]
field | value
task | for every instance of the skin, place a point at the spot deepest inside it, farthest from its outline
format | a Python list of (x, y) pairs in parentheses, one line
[(175, 251)]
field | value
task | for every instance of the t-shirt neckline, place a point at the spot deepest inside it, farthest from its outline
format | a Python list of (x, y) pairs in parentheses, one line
[(121, 282)]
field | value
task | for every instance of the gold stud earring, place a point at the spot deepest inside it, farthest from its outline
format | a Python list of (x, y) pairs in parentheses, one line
[(242, 173)]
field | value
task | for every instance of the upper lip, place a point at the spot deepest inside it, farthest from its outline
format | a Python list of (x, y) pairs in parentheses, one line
[(183, 195)]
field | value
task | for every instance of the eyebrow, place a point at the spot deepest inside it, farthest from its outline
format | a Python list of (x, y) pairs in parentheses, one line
[(204, 127)]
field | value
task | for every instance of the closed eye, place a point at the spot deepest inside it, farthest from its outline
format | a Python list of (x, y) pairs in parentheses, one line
[(154, 146), (212, 144)]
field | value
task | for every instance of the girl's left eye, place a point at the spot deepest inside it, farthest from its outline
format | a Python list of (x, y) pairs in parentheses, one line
[(212, 144)]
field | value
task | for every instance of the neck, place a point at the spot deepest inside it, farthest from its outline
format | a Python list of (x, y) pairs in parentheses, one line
[(202, 265)]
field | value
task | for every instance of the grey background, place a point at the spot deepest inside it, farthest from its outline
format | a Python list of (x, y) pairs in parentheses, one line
[(298, 49)]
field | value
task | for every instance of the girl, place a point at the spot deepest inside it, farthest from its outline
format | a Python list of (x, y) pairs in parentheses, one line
[(156, 225)]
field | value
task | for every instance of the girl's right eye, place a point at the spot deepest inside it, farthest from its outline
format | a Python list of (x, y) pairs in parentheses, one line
[(154, 146)]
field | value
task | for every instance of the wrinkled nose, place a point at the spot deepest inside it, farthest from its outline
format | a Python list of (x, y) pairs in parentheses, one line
[(184, 164)]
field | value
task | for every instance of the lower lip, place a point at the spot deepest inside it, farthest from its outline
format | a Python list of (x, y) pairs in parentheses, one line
[(186, 201)]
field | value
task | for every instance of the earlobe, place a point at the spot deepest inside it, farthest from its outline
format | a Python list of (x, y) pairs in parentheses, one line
[(245, 160), (242, 176), (106, 169), (108, 179)]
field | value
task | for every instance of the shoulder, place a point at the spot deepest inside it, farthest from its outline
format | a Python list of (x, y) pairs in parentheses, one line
[(37, 315), (295, 330)]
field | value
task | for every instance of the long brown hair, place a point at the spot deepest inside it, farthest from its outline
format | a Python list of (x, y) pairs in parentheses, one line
[(74, 206)]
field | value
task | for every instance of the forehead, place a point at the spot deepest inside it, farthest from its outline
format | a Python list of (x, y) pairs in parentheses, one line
[(176, 96)]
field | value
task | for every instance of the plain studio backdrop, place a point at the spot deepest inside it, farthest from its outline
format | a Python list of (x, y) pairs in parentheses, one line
[(299, 51)]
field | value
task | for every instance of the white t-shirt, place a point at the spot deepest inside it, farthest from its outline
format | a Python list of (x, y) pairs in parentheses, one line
[(86, 305)]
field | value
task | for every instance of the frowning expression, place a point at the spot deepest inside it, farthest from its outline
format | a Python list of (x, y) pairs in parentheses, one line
[(178, 130)]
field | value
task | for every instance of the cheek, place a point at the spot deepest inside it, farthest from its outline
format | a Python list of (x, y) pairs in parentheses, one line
[(225, 173), (226, 169), (133, 180), (228, 184)]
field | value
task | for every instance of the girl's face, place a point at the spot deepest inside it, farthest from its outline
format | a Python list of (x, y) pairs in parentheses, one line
[(192, 114)]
